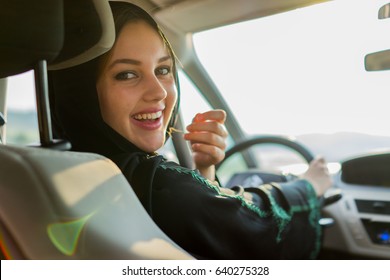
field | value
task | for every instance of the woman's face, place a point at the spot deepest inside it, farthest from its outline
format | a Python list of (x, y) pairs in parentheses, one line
[(136, 88)]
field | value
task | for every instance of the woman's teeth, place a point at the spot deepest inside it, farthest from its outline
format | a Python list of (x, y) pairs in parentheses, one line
[(148, 116)]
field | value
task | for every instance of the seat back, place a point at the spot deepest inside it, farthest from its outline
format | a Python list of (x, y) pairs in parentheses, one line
[(68, 205), (61, 204)]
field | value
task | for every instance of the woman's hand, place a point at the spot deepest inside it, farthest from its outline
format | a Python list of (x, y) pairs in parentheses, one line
[(318, 175), (207, 135)]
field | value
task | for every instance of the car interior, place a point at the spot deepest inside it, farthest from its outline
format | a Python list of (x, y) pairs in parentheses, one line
[(50, 206)]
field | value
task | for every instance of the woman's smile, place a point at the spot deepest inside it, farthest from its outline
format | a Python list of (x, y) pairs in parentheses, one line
[(148, 116), (148, 120)]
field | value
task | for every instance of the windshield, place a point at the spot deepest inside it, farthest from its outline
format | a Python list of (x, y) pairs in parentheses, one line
[(302, 74)]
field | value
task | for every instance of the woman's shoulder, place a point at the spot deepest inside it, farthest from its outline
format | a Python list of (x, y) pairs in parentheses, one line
[(172, 172), (174, 169), (166, 165)]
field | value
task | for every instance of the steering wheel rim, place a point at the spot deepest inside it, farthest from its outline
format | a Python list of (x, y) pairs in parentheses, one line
[(300, 149), (269, 139)]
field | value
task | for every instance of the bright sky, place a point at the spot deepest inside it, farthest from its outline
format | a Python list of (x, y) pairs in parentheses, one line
[(21, 92), (308, 63)]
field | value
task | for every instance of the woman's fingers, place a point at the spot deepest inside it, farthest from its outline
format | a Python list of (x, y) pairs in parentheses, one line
[(206, 155), (212, 115), (208, 126), (207, 135)]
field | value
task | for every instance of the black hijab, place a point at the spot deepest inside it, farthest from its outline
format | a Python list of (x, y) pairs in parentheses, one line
[(77, 118)]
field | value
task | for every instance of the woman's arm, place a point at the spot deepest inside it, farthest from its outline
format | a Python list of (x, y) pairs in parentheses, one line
[(270, 221)]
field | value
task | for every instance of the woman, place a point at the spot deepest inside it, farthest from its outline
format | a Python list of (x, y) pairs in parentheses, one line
[(123, 105)]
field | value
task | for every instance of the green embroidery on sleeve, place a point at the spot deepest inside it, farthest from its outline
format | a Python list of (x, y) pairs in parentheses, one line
[(281, 217), (314, 216), (254, 208)]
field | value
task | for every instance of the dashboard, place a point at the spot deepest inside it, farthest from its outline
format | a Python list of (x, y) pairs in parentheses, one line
[(362, 216)]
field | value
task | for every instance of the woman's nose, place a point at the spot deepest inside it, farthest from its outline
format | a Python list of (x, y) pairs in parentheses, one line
[(154, 89)]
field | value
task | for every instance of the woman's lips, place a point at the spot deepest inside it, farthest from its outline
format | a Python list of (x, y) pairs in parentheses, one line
[(148, 121)]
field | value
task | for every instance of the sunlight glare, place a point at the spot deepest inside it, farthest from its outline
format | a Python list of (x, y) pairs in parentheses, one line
[(303, 71)]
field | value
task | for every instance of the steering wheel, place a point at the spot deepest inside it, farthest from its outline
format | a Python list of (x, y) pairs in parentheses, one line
[(263, 177), (259, 176), (281, 140)]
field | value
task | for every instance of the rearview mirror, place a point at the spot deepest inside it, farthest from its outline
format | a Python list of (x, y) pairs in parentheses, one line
[(384, 11), (377, 61)]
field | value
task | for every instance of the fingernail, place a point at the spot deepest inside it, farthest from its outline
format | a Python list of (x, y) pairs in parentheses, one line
[(198, 117)]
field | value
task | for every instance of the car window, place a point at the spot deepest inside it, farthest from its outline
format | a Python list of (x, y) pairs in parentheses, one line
[(192, 101), (22, 122), (302, 74)]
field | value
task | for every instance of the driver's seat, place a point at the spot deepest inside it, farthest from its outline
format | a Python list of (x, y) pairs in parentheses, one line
[(58, 204)]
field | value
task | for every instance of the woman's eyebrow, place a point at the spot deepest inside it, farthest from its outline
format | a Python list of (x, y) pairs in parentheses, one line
[(134, 61), (124, 61), (165, 58)]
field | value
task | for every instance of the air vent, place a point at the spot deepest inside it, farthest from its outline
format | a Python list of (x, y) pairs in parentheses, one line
[(373, 206)]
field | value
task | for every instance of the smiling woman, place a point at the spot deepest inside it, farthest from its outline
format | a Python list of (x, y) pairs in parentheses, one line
[(139, 58), (123, 104)]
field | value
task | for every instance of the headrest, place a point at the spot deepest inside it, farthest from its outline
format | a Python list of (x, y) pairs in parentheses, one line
[(29, 31), (89, 32), (62, 32)]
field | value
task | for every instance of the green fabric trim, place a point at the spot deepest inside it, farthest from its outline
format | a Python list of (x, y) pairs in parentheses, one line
[(281, 217), (254, 208), (314, 207)]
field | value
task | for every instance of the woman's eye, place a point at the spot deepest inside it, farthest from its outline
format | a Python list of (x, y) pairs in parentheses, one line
[(125, 76), (163, 71)]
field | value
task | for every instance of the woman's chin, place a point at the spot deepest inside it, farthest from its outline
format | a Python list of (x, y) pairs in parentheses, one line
[(151, 146)]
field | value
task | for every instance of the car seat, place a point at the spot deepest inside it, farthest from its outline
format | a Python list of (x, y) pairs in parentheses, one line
[(57, 204)]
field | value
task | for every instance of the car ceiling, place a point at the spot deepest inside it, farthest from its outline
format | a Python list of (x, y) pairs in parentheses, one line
[(178, 18), (196, 15)]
